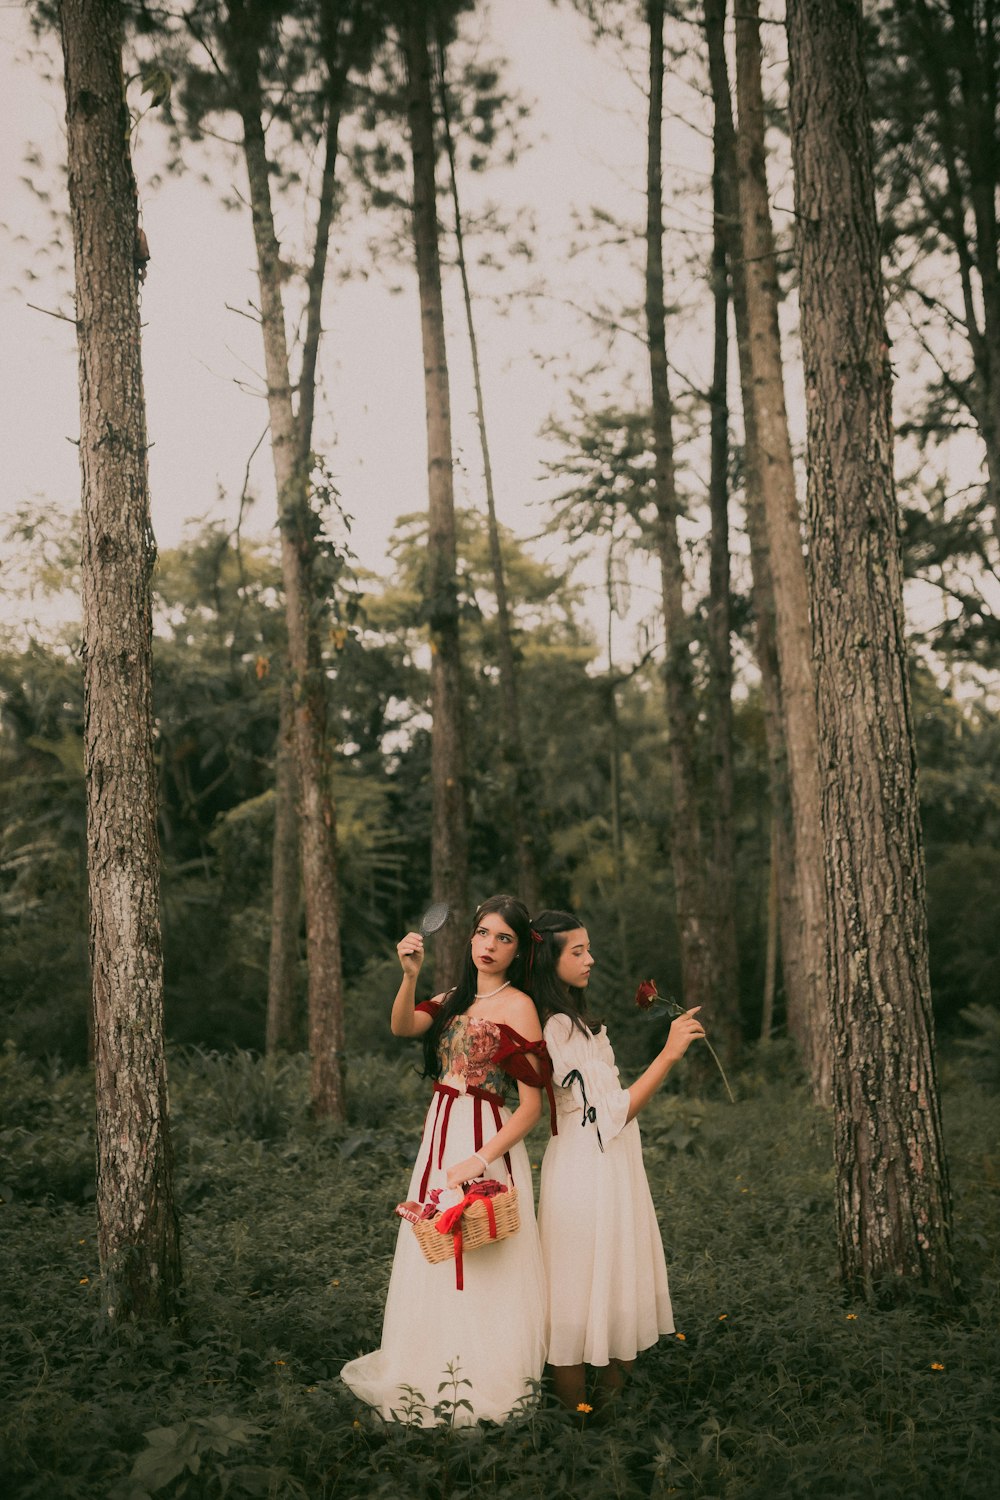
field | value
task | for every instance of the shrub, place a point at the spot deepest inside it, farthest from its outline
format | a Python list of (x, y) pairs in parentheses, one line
[(778, 1386)]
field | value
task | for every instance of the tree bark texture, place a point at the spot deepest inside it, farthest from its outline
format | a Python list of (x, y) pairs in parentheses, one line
[(784, 535), (793, 969), (286, 896), (722, 883), (523, 804), (449, 835), (695, 912), (892, 1181), (298, 526), (286, 902), (138, 1240)]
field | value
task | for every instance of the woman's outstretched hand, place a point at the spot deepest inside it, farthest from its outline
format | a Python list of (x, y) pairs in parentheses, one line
[(683, 1031), (411, 953)]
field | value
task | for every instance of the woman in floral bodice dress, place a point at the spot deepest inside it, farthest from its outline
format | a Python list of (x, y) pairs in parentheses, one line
[(480, 1039)]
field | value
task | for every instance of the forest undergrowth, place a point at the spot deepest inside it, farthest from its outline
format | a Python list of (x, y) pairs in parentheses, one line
[(775, 1384)]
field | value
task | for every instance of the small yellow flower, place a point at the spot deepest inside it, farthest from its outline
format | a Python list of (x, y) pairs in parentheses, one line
[(84, 1280), (744, 1190), (723, 1317), (937, 1367), (279, 1361), (310, 1387), (851, 1317), (582, 1406), (81, 1242), (682, 1337), (356, 1424), (334, 1283)]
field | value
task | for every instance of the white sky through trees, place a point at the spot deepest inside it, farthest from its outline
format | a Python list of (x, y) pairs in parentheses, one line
[(584, 147)]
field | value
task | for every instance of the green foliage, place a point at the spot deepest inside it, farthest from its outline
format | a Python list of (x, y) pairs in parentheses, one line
[(218, 652), (958, 750), (778, 1386), (982, 1045)]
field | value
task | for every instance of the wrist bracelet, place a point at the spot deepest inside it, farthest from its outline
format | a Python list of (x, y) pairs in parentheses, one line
[(479, 1157)]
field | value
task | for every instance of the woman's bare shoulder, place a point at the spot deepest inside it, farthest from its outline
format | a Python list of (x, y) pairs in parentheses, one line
[(520, 1014)]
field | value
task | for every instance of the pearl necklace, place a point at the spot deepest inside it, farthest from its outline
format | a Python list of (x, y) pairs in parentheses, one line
[(490, 993)]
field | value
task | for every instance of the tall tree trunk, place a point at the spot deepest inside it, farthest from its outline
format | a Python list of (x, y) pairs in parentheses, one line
[(615, 770), (695, 913), (792, 962), (722, 883), (286, 899), (290, 443), (523, 804), (449, 835), (281, 1032), (771, 943), (892, 1185), (781, 513), (138, 1240)]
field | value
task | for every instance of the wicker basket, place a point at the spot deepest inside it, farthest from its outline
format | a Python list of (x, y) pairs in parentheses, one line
[(475, 1227)]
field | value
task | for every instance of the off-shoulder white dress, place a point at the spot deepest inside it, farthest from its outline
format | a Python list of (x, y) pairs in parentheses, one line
[(601, 1245)]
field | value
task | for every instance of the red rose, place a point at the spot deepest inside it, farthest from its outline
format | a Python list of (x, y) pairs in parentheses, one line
[(646, 994)]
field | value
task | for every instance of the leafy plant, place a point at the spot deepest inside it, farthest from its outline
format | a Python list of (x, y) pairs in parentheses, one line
[(773, 1384)]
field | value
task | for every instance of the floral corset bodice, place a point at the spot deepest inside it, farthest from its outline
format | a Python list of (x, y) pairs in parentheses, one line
[(466, 1051)]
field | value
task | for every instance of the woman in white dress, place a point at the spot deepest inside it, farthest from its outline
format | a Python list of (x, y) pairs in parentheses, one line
[(604, 1262), (484, 1342)]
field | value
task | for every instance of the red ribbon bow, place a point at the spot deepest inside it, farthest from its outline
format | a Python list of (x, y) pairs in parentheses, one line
[(450, 1222)]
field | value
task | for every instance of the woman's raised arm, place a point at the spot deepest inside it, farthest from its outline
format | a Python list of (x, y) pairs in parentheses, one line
[(405, 1020)]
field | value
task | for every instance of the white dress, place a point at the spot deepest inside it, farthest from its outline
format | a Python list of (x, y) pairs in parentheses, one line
[(601, 1245), (492, 1333)]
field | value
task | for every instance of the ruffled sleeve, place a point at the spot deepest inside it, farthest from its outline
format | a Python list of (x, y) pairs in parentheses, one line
[(514, 1055), (586, 1079), (429, 1007)]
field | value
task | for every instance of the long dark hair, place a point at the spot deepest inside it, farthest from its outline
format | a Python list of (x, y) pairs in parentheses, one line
[(552, 995), (457, 1001)]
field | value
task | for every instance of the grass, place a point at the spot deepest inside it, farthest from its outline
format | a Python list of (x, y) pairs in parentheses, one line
[(778, 1387)]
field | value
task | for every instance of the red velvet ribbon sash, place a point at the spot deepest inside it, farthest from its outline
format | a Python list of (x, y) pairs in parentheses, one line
[(514, 1056), (450, 1222), (446, 1096)]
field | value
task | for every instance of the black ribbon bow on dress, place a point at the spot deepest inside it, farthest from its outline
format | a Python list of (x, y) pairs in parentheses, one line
[(589, 1112)]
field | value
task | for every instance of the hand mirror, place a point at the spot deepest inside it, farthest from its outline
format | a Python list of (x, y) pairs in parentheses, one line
[(433, 918)]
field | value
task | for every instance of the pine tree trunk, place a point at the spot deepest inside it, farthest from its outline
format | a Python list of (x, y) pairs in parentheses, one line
[(771, 944), (285, 892), (297, 526), (286, 901), (523, 804), (615, 772), (892, 1183), (449, 836), (138, 1240), (695, 914), (781, 513), (792, 961), (726, 1027)]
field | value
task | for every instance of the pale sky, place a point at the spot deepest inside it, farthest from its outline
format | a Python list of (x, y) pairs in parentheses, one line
[(587, 135), (587, 130)]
